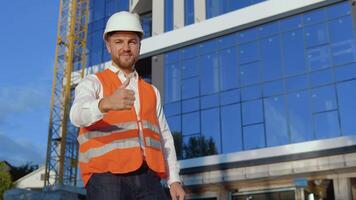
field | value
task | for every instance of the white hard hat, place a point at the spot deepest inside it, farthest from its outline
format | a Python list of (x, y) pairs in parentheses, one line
[(123, 21)]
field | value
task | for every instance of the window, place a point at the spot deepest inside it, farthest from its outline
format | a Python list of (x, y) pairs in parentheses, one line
[(209, 74), (229, 69), (191, 123), (293, 44), (271, 58), (254, 137), (231, 128), (252, 112), (210, 125), (318, 58), (323, 99), (168, 15), (326, 125), (300, 119), (188, 12), (347, 103), (172, 83), (146, 21), (276, 121), (249, 53)]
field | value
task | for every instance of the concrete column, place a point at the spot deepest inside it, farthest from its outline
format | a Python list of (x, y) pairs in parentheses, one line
[(299, 194), (199, 11), (342, 188), (158, 74), (157, 17), (178, 17)]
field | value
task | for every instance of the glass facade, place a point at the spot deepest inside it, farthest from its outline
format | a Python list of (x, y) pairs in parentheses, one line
[(99, 13), (215, 8), (283, 82)]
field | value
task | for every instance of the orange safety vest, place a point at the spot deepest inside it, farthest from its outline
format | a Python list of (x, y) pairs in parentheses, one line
[(112, 144)]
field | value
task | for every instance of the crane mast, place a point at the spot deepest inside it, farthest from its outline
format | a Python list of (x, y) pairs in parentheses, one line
[(70, 62)]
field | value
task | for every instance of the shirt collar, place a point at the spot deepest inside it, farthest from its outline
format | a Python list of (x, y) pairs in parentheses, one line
[(119, 72)]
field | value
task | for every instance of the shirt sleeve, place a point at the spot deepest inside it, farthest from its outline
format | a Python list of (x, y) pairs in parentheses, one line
[(168, 143), (85, 110)]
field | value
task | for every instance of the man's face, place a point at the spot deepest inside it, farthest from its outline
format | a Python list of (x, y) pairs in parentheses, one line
[(124, 48)]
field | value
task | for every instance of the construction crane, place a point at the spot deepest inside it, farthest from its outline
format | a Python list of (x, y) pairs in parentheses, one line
[(70, 62)]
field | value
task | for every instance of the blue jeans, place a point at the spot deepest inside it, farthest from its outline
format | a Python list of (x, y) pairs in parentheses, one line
[(142, 184)]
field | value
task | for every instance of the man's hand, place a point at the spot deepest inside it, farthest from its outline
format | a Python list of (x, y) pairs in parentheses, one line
[(177, 192), (121, 99)]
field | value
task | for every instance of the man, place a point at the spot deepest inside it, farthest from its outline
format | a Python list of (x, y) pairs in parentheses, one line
[(126, 146)]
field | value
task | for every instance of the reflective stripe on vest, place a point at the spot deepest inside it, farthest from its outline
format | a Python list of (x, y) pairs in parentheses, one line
[(151, 142), (117, 144), (106, 131), (152, 127)]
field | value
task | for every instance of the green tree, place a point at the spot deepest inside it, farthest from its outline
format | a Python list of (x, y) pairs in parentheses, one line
[(23, 170), (5, 183), (199, 146)]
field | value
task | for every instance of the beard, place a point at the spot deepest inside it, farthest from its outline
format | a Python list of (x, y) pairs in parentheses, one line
[(124, 62)]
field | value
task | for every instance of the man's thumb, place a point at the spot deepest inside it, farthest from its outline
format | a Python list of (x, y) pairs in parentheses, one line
[(125, 83)]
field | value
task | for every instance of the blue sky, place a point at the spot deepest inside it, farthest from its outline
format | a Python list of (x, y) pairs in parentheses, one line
[(27, 48)]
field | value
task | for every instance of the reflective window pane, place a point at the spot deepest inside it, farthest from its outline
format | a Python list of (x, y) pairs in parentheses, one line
[(172, 83), (273, 88), (252, 112), (228, 69), (254, 137), (231, 128), (168, 15), (316, 35), (345, 72), (300, 119), (326, 125), (210, 122), (249, 93), (248, 53), (229, 97), (318, 58), (293, 44), (323, 99), (268, 29), (276, 121), (190, 88), (291, 23), (174, 124), (347, 106), (338, 10), (321, 77), (172, 108), (343, 42), (190, 105), (247, 35), (250, 74), (191, 123), (271, 58), (297, 83), (314, 16), (188, 12), (209, 101), (190, 68), (209, 74)]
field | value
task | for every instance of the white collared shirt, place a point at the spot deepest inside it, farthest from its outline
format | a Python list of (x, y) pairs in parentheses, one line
[(85, 112)]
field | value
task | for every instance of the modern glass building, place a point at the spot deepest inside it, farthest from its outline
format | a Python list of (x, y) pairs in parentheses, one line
[(260, 95)]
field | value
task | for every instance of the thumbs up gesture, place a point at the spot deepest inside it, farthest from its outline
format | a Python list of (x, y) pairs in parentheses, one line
[(121, 99)]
